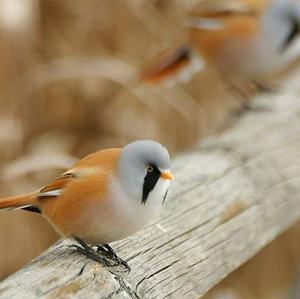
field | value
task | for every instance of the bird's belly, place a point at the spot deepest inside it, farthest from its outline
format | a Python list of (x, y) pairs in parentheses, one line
[(122, 216), (101, 221), (108, 228), (101, 224), (105, 223)]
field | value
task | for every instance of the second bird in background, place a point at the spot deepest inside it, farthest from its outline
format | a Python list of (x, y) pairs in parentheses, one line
[(244, 40)]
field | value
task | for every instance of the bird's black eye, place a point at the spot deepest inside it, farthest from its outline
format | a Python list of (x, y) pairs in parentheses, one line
[(150, 168)]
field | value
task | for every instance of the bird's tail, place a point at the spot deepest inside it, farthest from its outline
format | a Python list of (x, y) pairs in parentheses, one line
[(18, 202)]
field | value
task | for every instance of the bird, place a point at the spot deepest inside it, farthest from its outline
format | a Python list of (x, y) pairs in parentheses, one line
[(244, 40), (107, 196)]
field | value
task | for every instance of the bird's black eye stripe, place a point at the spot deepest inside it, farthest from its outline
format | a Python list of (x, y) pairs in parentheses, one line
[(295, 28), (150, 181)]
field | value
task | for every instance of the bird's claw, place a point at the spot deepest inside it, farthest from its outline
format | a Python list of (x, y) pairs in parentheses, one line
[(104, 255)]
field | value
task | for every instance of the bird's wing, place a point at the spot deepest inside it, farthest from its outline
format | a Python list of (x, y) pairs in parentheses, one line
[(100, 162), (55, 188), (176, 64)]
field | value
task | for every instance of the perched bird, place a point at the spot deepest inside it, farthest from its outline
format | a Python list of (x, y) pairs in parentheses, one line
[(104, 197), (244, 40)]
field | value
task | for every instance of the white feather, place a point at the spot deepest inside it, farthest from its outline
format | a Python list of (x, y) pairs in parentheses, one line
[(56, 192), (195, 66), (204, 23)]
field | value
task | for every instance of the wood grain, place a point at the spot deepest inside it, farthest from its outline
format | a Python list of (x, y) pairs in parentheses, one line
[(231, 196)]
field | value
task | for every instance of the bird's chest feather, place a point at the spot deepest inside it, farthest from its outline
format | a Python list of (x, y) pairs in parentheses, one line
[(131, 212), (117, 215)]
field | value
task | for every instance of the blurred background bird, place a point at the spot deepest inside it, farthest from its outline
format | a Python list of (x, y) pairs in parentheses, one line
[(68, 78), (244, 40)]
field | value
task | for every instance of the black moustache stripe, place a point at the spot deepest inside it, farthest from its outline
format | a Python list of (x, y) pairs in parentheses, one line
[(295, 27), (150, 181)]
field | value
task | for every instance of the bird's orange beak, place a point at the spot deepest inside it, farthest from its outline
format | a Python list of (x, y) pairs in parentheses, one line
[(167, 175)]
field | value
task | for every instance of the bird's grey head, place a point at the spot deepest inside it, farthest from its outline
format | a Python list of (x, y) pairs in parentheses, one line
[(281, 22), (142, 165)]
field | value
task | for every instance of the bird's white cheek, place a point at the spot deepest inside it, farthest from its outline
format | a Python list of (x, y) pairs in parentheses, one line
[(158, 194)]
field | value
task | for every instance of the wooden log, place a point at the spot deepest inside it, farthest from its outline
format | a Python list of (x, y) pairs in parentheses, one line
[(231, 196)]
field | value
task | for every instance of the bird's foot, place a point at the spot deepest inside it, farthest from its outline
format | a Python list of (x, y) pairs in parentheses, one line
[(96, 256), (110, 253), (104, 255)]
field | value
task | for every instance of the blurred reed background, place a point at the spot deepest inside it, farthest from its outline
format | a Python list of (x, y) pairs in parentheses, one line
[(68, 88)]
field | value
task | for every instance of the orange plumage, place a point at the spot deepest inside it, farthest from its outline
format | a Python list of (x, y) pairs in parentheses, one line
[(232, 36), (19, 201), (80, 187), (104, 197)]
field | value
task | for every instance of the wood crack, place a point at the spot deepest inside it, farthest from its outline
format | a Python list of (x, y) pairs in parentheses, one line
[(69, 281), (125, 286), (155, 273)]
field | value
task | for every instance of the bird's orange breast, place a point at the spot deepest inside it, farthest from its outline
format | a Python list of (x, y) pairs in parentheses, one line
[(235, 26), (211, 44)]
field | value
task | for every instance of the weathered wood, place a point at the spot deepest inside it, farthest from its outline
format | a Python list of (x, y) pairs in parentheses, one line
[(232, 195)]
